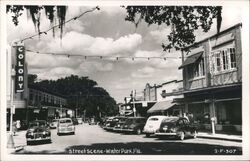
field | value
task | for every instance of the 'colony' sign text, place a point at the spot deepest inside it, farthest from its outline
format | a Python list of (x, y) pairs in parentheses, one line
[(19, 69)]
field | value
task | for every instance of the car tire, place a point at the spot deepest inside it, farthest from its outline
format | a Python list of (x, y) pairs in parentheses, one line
[(58, 134), (73, 133), (147, 135), (182, 135), (195, 134), (138, 131), (28, 143)]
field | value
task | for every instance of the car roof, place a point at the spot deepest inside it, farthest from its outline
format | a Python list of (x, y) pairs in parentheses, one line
[(158, 116)]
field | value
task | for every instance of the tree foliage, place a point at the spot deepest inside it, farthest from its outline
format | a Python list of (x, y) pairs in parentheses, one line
[(183, 20), (81, 92), (35, 12)]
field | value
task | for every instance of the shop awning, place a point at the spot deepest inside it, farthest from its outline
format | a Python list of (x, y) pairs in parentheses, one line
[(161, 106), (191, 59)]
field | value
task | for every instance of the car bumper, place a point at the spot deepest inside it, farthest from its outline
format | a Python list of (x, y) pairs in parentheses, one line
[(147, 131), (165, 134), (38, 139), (128, 130), (117, 129), (67, 130)]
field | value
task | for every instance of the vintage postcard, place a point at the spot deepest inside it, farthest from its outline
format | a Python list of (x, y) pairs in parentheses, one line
[(124, 80)]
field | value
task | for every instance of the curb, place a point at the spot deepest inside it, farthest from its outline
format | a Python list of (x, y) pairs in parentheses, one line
[(15, 149), (220, 138)]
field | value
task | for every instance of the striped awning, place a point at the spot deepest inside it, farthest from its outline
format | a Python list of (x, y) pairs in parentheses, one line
[(161, 106)]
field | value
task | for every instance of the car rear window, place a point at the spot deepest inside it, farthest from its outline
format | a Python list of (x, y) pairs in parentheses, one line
[(153, 119), (65, 121)]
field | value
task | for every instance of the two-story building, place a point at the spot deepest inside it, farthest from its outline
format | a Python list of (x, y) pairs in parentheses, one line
[(212, 80), (46, 105)]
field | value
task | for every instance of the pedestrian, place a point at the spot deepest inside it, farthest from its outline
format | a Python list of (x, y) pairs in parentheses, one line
[(14, 128), (18, 124)]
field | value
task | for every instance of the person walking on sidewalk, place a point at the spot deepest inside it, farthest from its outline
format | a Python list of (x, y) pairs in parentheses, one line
[(14, 128)]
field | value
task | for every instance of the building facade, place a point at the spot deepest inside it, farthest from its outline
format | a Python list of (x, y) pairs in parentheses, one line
[(212, 80), (167, 93), (46, 105), (31, 103)]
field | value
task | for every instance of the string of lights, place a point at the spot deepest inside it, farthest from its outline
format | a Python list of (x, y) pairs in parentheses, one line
[(104, 57), (58, 25)]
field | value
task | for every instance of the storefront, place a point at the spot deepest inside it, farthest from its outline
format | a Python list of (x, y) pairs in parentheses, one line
[(223, 103)]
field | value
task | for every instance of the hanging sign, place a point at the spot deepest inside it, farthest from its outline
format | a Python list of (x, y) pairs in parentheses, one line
[(19, 83)]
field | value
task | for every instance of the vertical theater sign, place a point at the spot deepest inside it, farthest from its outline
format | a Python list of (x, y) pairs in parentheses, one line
[(19, 85)]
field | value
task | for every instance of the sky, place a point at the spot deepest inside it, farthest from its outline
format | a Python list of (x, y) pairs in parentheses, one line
[(106, 33)]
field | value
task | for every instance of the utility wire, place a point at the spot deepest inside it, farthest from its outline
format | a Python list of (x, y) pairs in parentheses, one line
[(58, 25)]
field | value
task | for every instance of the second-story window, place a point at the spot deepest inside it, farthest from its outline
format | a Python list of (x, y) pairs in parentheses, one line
[(197, 69), (223, 60)]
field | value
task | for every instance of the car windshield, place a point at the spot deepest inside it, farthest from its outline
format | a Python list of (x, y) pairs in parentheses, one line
[(37, 123), (171, 119), (65, 121)]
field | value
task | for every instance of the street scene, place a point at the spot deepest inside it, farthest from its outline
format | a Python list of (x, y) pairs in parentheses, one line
[(92, 139), (124, 80)]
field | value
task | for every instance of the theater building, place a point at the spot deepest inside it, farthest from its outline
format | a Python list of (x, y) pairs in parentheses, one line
[(31, 103), (212, 80)]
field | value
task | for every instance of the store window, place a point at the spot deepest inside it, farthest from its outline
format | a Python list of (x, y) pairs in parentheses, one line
[(229, 112)]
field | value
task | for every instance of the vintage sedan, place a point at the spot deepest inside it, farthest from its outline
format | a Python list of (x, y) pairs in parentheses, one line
[(110, 124), (53, 124), (179, 127), (38, 131), (153, 123), (79, 119), (118, 126), (134, 125), (65, 126)]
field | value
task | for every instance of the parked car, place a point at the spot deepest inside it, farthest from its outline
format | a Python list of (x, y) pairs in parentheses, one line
[(106, 122), (65, 125), (53, 124), (74, 120), (38, 131), (79, 119), (110, 124), (153, 123), (179, 127), (92, 121), (134, 125), (118, 126)]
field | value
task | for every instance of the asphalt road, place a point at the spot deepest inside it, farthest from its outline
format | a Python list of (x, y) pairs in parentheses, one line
[(93, 140)]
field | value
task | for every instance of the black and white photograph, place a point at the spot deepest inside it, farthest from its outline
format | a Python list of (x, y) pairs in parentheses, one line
[(113, 80)]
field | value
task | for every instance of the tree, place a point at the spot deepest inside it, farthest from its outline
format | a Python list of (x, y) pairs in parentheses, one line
[(34, 13), (81, 93), (183, 20)]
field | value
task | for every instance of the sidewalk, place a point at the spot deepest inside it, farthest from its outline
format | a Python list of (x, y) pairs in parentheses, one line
[(237, 138), (19, 142)]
